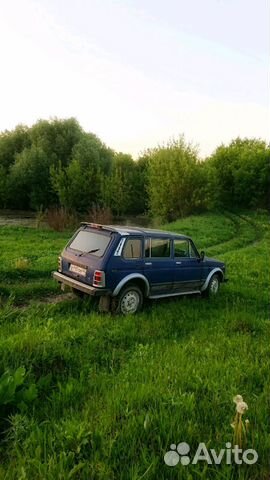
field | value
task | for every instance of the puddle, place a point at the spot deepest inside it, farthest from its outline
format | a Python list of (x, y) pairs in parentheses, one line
[(15, 218)]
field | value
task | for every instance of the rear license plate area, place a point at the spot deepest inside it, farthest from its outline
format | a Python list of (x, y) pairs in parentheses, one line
[(78, 270)]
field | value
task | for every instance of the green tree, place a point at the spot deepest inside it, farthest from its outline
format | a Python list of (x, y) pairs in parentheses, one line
[(239, 174), (119, 188), (175, 183), (79, 184), (139, 202), (12, 143), (29, 183), (26, 155), (57, 138), (3, 186)]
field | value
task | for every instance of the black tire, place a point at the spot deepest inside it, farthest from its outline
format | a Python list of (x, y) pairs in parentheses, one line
[(213, 286), (78, 293), (129, 301)]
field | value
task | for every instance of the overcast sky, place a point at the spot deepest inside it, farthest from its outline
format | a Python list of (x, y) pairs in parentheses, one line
[(137, 72)]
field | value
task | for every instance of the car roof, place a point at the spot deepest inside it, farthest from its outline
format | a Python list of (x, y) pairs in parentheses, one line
[(133, 230)]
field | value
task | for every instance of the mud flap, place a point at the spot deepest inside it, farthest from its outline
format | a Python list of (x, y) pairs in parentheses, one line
[(104, 305)]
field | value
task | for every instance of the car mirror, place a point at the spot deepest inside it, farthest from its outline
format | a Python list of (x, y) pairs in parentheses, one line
[(202, 255)]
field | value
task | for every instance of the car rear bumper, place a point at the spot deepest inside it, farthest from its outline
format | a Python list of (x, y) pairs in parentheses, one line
[(70, 282)]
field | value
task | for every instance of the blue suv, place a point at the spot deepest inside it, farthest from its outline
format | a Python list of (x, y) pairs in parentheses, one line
[(125, 265)]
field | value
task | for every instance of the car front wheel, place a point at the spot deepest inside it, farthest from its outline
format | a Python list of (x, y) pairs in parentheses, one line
[(213, 286), (129, 300)]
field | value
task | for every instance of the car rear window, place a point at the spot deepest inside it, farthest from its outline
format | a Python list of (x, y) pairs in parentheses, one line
[(132, 248), (90, 242)]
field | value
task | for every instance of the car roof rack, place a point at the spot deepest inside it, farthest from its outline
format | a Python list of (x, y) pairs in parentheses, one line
[(127, 230), (99, 226), (91, 224)]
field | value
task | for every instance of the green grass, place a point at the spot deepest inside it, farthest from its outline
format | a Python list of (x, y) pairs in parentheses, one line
[(113, 393)]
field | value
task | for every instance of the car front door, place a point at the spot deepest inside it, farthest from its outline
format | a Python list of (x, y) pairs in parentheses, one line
[(187, 266)]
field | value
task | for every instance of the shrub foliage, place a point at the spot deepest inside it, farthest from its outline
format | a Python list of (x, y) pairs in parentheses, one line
[(56, 164)]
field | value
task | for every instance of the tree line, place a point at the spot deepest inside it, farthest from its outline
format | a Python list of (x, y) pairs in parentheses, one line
[(56, 163)]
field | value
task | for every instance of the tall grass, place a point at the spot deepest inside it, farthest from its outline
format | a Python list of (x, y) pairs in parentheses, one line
[(60, 219)]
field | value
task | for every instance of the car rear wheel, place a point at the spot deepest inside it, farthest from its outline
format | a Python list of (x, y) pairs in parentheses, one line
[(129, 300), (213, 286)]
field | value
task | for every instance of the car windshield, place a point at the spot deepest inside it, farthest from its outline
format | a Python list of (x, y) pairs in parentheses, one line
[(87, 241)]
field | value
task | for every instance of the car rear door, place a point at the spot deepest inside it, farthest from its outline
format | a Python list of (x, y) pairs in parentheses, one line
[(127, 260), (85, 253)]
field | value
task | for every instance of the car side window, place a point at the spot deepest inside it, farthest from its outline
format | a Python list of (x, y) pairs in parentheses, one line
[(132, 248), (157, 247), (183, 248), (192, 252)]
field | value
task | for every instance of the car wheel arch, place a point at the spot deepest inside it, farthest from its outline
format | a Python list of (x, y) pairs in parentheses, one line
[(214, 271), (134, 279)]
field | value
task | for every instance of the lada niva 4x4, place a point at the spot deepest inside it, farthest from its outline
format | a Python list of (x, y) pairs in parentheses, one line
[(126, 265)]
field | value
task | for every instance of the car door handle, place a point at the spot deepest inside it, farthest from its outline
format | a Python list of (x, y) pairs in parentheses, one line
[(178, 263), (148, 263)]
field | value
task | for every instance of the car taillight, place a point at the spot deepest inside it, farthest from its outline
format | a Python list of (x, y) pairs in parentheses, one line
[(99, 279), (59, 264)]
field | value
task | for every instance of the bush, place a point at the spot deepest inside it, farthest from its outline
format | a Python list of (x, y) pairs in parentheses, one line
[(60, 219), (102, 215)]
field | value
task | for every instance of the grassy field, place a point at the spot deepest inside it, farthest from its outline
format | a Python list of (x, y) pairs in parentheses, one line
[(91, 396)]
